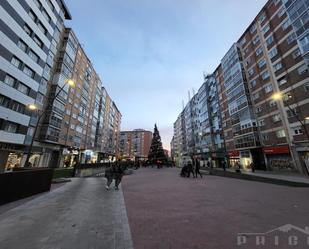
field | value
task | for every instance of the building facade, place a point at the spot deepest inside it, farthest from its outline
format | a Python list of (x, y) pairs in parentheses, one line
[(30, 35), (262, 93), (135, 145), (39, 56)]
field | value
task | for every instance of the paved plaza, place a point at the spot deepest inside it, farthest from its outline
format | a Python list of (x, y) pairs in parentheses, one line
[(157, 209)]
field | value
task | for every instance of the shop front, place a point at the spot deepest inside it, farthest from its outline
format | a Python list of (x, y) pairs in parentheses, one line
[(279, 158), (233, 158)]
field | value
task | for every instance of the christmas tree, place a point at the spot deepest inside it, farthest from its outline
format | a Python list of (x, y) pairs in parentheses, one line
[(156, 152)]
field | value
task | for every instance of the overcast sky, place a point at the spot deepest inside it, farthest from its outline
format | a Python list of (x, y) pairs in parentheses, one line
[(150, 53)]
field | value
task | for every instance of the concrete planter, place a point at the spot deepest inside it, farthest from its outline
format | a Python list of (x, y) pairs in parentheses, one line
[(24, 183)]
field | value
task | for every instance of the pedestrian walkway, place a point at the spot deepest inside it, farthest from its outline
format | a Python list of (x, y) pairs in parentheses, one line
[(79, 215), (167, 211)]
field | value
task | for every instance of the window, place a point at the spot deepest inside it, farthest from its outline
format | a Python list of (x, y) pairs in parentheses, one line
[(278, 66), (32, 15), (243, 41), (46, 16), (286, 24), (28, 30), (256, 40), (265, 75), (302, 69), (304, 43), (306, 87), (251, 71), (287, 96), (280, 134), (42, 28), (22, 88), (272, 53), (298, 131), (10, 127), (266, 29), (38, 4), (262, 17), (16, 62), (33, 56), (51, 6), (22, 45), (291, 38), (265, 137), (38, 41), (9, 80), (282, 81), (253, 29), (268, 88), (256, 96), (18, 107), (296, 53), (276, 118), (261, 122), (29, 72), (253, 83), (272, 103), (269, 40), (40, 98), (281, 12), (4, 101), (292, 112), (262, 63), (259, 51)]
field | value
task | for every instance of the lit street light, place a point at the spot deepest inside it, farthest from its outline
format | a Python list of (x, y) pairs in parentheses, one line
[(279, 96), (34, 108)]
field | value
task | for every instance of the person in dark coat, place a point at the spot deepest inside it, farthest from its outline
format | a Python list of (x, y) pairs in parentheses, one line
[(109, 175), (184, 171), (190, 169), (118, 174), (224, 165), (197, 169)]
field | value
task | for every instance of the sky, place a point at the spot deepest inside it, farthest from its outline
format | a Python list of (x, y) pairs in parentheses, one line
[(149, 54)]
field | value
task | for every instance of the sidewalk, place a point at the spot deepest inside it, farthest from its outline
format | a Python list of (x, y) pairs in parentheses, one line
[(80, 214), (281, 178)]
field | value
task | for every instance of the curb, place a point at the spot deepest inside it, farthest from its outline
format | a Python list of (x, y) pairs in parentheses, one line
[(257, 178)]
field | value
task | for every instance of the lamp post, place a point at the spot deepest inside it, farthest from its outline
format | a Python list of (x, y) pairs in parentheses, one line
[(279, 96), (34, 108)]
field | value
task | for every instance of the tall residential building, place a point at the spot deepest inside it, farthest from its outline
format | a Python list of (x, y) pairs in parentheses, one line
[(263, 92), (111, 128), (30, 33), (274, 64), (135, 145), (39, 56)]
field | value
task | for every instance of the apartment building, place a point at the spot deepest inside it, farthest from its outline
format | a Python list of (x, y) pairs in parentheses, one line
[(135, 145), (111, 128), (263, 93), (39, 57), (274, 65), (30, 33), (198, 129)]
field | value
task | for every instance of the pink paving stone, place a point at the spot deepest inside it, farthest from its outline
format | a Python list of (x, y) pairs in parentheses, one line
[(166, 211)]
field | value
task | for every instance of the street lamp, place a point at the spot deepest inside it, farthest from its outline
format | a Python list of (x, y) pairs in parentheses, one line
[(34, 108), (279, 96)]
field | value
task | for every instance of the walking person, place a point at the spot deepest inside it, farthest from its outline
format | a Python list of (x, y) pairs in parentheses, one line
[(109, 175), (118, 174), (252, 167), (190, 169), (224, 165), (197, 169)]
